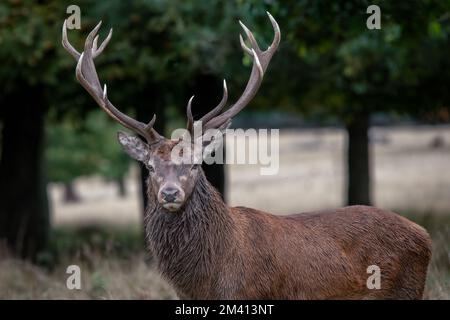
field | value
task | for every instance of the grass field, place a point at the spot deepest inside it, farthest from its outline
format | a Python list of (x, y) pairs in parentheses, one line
[(101, 234)]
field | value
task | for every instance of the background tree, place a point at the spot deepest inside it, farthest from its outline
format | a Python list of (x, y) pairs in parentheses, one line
[(84, 148), (27, 56), (333, 66), (68, 158)]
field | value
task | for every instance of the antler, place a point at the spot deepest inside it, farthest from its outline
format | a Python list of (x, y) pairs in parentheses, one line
[(87, 76), (215, 119), (214, 112)]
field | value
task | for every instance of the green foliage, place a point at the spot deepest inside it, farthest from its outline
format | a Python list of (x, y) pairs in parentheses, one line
[(66, 154), (25, 35), (344, 68), (81, 150), (113, 163), (157, 49), (328, 58), (329, 63)]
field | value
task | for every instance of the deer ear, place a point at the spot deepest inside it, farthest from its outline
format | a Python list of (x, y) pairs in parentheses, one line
[(133, 146)]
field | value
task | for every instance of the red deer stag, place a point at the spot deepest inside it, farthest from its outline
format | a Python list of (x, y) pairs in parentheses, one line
[(208, 250)]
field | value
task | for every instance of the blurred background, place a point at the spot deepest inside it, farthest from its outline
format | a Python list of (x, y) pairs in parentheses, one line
[(364, 118)]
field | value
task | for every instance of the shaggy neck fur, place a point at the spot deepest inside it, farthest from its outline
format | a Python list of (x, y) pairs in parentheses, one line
[(189, 244)]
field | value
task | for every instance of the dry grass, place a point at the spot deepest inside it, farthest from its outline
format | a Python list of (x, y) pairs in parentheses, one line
[(438, 280), (113, 267), (102, 279)]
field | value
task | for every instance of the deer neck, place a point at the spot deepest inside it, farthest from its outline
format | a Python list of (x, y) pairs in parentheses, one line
[(189, 244)]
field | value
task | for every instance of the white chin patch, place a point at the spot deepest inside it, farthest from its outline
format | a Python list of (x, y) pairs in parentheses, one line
[(172, 206)]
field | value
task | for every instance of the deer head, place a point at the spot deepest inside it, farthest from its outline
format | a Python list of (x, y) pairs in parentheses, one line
[(171, 181)]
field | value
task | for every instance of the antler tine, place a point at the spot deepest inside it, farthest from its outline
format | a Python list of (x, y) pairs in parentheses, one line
[(244, 46), (94, 46), (105, 42), (261, 61), (190, 118), (96, 51), (250, 37), (84, 82), (277, 37), (149, 126), (66, 44), (87, 67), (86, 75), (214, 112)]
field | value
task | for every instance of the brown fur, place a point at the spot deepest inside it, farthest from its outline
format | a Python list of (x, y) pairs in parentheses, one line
[(210, 251)]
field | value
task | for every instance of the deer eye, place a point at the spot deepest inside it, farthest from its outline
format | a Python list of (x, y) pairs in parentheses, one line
[(150, 168)]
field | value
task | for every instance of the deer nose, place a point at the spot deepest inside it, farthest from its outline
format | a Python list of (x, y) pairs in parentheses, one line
[(170, 194)]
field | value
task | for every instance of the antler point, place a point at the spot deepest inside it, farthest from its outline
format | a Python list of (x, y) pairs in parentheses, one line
[(244, 27), (258, 63), (243, 45)]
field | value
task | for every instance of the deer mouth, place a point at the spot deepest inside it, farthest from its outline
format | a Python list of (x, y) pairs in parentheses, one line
[(172, 206)]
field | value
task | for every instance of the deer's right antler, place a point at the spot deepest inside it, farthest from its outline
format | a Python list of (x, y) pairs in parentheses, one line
[(87, 76)]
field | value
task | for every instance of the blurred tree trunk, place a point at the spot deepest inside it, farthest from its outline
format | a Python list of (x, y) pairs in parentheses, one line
[(70, 194), (24, 217), (121, 186), (208, 92), (358, 160)]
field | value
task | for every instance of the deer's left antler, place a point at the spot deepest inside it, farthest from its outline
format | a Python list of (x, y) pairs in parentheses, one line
[(217, 120)]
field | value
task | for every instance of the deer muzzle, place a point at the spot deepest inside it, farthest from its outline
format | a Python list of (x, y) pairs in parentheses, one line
[(171, 197)]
